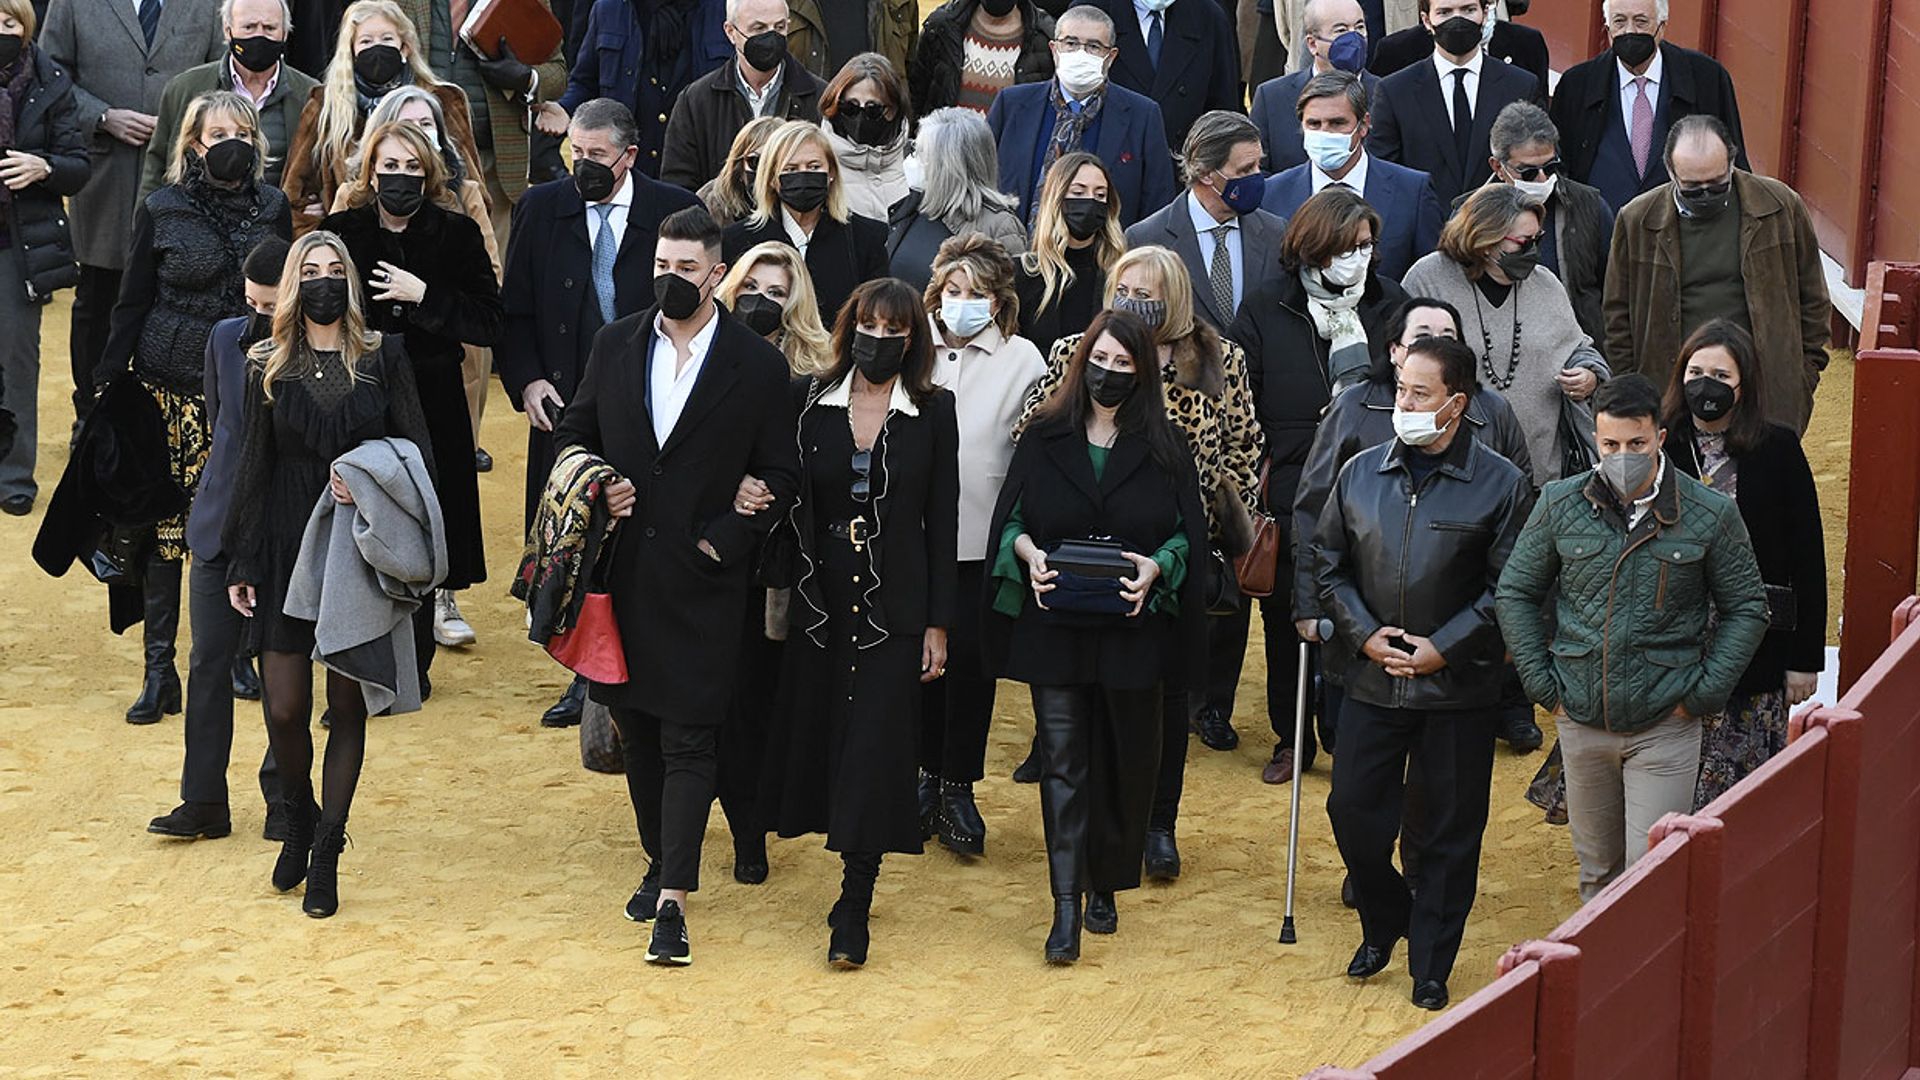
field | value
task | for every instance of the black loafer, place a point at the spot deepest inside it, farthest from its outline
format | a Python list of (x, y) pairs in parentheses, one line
[(482, 461), (1102, 916), (1522, 734), (567, 711), (17, 505), (1430, 994), (1216, 731), (1163, 856), (194, 821), (1369, 960)]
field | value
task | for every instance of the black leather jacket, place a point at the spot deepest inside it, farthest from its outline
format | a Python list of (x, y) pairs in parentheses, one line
[(1425, 560)]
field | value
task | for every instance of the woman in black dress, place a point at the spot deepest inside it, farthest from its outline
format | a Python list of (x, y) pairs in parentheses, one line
[(875, 524), (320, 386), (183, 275), (427, 276), (1100, 462)]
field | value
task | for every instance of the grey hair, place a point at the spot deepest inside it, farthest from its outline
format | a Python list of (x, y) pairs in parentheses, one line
[(1696, 126), (388, 110), (1088, 13), (1519, 125), (606, 114), (286, 14), (1334, 84), (1309, 20), (1659, 10), (961, 166), (1211, 140), (733, 10)]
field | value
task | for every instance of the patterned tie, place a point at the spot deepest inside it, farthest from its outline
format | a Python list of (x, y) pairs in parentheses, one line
[(149, 18), (1640, 133), (605, 247), (1462, 119), (1156, 35), (1220, 273)]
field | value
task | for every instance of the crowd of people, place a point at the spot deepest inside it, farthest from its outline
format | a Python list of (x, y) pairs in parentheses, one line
[(1033, 343)]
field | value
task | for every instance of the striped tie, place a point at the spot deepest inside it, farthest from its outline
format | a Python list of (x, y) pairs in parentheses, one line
[(149, 18)]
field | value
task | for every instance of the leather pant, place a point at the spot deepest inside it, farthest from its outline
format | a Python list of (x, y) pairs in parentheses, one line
[(1099, 751)]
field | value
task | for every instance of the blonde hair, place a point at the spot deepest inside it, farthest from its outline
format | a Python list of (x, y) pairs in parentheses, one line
[(340, 102), (728, 191), (1047, 257), (279, 357), (803, 337), (364, 189), (787, 140), (989, 270), (195, 121), (23, 11), (1476, 229), (1174, 286)]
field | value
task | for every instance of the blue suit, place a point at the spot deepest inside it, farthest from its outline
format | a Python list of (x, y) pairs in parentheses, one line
[(1410, 211), (612, 62), (1274, 113), (1130, 139)]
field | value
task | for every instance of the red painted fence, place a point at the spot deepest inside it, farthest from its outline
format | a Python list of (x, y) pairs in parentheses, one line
[(1774, 934)]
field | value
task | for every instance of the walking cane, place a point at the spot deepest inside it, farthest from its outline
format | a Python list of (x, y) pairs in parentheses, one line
[(1287, 936)]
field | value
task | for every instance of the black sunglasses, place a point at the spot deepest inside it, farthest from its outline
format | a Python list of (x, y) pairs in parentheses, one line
[(873, 110), (1709, 191), (862, 475), (1531, 173)]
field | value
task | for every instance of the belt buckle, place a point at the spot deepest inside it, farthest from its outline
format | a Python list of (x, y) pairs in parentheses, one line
[(857, 532)]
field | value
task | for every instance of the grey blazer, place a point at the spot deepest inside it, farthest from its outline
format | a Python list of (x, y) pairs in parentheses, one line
[(1172, 227), (100, 43)]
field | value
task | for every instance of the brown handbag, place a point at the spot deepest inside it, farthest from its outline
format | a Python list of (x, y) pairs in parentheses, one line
[(1258, 567)]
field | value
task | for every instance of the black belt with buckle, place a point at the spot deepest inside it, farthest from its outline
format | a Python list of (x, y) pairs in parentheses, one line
[(856, 532)]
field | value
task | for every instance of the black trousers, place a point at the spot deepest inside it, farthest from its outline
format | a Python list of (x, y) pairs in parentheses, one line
[(742, 750), (92, 319), (1171, 778), (1099, 750), (1227, 650), (956, 711), (670, 778), (1453, 751), (209, 720)]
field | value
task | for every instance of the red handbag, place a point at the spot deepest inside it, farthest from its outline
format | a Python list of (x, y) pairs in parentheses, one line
[(591, 648)]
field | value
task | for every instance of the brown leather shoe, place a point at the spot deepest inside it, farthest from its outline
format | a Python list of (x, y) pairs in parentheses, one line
[(1279, 769)]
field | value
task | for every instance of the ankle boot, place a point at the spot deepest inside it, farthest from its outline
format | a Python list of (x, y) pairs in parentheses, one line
[(291, 868), (929, 805), (323, 884), (160, 689), (847, 946), (1028, 771), (1063, 943), (961, 829)]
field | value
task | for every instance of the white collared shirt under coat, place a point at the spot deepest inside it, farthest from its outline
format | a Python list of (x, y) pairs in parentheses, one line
[(668, 388), (1446, 68), (989, 378)]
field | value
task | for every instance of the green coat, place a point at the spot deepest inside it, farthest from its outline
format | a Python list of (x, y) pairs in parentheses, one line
[(279, 117), (1627, 640), (893, 26)]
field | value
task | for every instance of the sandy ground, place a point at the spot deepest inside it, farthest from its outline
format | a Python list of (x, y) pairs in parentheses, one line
[(480, 933)]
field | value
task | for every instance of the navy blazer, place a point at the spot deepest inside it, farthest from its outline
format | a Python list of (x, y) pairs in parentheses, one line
[(226, 388), (1411, 128), (1132, 142), (1275, 114), (1199, 68), (612, 56), (1410, 213), (1522, 46)]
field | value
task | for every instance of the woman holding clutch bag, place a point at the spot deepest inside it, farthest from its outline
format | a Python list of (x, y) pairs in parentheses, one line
[(1101, 463)]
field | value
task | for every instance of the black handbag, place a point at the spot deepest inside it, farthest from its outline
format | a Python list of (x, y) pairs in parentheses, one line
[(1578, 454), (1783, 608), (1087, 577)]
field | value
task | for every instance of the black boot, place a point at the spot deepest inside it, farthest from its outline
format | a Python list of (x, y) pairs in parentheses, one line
[(1029, 770), (1102, 916), (929, 805), (160, 691), (301, 819), (961, 830), (1063, 943), (246, 684), (750, 859), (847, 946), (1162, 855), (323, 877)]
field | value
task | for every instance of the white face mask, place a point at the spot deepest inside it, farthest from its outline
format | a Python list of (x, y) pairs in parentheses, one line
[(1539, 189), (1328, 149), (915, 172), (1486, 28), (1348, 269), (1080, 73), (1418, 428), (966, 317)]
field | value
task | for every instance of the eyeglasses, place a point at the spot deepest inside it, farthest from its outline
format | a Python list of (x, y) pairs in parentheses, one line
[(862, 475), (1531, 173), (1707, 191), (1091, 48), (1525, 242)]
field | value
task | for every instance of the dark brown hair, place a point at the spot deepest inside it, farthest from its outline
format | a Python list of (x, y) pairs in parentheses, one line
[(1143, 414), (1324, 226), (1749, 426), (886, 300), (867, 65)]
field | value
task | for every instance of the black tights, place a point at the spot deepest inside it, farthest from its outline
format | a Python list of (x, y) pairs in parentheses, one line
[(286, 681)]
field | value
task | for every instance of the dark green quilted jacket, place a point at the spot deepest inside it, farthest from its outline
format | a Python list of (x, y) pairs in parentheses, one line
[(1627, 640)]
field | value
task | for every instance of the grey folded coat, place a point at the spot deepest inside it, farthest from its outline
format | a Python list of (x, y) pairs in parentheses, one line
[(365, 568)]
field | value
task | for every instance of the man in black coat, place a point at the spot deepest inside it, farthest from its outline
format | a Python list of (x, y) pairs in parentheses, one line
[(1441, 129), (682, 401), (1522, 46), (760, 79), (553, 299), (1186, 57), (1608, 139)]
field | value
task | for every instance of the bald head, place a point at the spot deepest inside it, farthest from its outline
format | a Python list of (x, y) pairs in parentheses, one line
[(1699, 150), (1325, 20)]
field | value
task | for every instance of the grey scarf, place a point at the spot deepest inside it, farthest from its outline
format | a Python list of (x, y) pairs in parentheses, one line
[(1337, 318)]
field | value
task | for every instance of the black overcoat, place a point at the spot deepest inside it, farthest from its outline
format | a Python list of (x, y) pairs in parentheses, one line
[(841, 256)]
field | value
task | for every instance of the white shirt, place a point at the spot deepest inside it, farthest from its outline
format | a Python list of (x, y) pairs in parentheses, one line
[(669, 388), (1203, 226), (1356, 177), (1645, 502), (1446, 68), (622, 203), (799, 237), (760, 102), (1628, 94)]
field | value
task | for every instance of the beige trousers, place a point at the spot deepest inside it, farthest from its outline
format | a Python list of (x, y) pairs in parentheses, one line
[(1619, 785)]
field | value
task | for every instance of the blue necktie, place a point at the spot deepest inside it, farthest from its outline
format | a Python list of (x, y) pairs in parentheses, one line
[(605, 247), (1155, 37), (149, 18)]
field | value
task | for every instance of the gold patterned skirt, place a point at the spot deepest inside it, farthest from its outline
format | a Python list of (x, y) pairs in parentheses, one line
[(187, 444)]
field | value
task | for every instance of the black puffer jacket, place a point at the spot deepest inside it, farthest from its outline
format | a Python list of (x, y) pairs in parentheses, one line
[(48, 126), (933, 79)]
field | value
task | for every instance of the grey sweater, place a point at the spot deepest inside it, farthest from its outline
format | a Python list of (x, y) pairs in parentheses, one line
[(1550, 339), (365, 567)]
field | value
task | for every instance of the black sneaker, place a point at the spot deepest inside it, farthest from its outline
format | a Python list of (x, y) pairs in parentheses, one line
[(669, 945), (1216, 730), (646, 899)]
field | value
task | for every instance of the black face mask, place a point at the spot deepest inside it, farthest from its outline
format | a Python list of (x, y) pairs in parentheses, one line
[(866, 125), (229, 160), (878, 358), (593, 180), (803, 191), (1109, 387), (1517, 8), (1705, 200), (378, 65), (1083, 217), (998, 8), (323, 300), (761, 313), (678, 298), (259, 328), (400, 194), (1634, 49), (11, 46), (256, 54), (1708, 398), (1519, 265), (1458, 35), (764, 51)]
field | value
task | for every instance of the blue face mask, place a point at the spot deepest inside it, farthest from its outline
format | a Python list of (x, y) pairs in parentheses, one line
[(1348, 52), (1328, 149), (966, 317), (1243, 196)]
